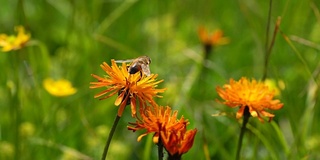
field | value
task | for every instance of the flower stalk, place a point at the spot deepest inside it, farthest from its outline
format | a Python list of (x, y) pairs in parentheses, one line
[(246, 117), (113, 129), (174, 157), (160, 149)]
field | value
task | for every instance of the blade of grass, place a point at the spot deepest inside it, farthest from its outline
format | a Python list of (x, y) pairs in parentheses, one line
[(77, 154), (298, 54), (311, 100), (112, 43), (281, 137), (315, 10), (114, 15), (268, 27), (305, 42), (264, 140), (269, 49), (147, 148)]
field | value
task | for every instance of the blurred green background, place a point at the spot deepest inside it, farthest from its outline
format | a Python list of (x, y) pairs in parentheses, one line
[(70, 39)]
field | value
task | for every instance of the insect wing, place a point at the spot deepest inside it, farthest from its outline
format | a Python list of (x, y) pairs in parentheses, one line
[(145, 69), (124, 61)]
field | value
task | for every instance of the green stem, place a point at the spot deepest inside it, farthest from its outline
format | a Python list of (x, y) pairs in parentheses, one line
[(21, 13), (113, 129), (15, 93), (17, 121), (114, 15), (246, 116), (174, 157), (205, 142), (267, 53), (147, 149), (160, 149)]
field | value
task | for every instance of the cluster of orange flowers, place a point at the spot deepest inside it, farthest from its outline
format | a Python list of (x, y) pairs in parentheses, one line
[(139, 90)]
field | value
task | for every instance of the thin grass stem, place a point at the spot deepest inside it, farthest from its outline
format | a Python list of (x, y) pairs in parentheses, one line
[(268, 53), (299, 55), (114, 15), (266, 59)]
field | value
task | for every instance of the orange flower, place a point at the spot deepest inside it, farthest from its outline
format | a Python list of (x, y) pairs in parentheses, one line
[(214, 39), (13, 42), (164, 124), (131, 88), (178, 142), (254, 95)]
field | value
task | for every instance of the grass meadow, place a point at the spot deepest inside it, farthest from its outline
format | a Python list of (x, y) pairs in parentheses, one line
[(70, 39)]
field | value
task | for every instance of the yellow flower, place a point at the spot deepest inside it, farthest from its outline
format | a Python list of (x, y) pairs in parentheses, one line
[(12, 42), (164, 124), (131, 88), (277, 87), (254, 95), (59, 88), (214, 39)]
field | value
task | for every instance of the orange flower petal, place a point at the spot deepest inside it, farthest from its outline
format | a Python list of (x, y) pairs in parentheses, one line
[(119, 99)]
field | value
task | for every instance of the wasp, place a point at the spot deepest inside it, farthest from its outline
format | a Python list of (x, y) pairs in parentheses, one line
[(140, 64)]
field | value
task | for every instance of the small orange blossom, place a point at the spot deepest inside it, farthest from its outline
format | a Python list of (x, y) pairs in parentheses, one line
[(252, 94), (214, 39)]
